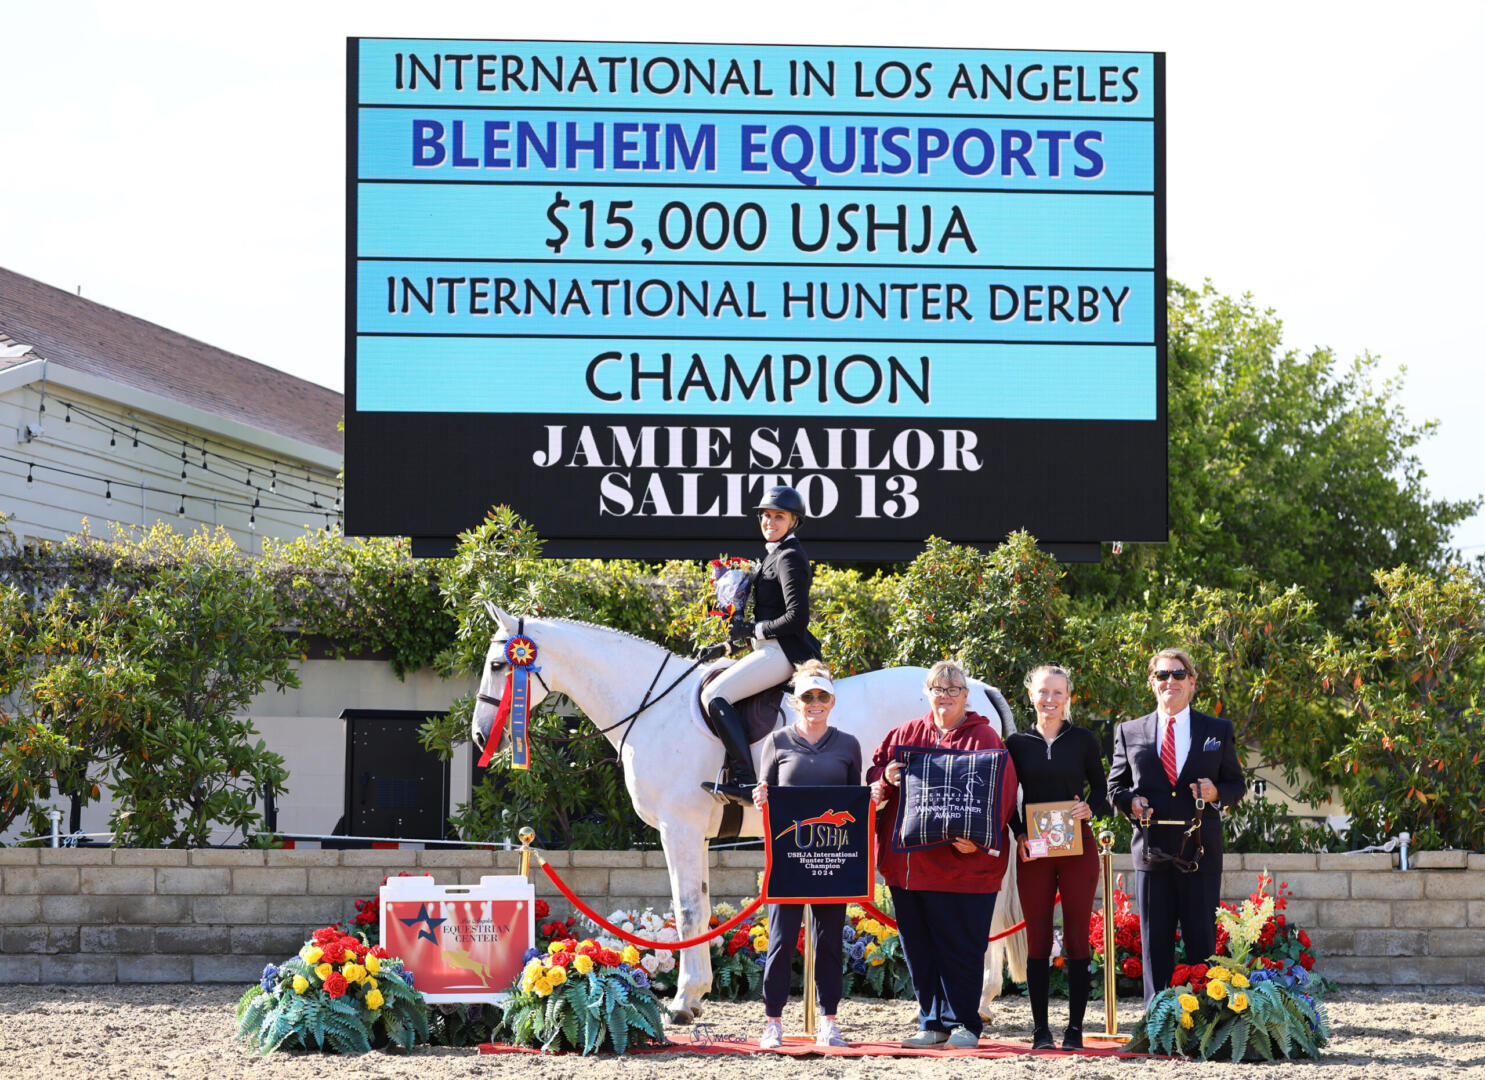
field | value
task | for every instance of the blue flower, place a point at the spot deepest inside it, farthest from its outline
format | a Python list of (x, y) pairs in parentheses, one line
[(857, 950), (1301, 976), (530, 955), (407, 976), (266, 982), (847, 935), (858, 966), (625, 969), (639, 978)]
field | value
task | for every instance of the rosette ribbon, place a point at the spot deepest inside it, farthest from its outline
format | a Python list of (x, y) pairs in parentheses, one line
[(514, 704)]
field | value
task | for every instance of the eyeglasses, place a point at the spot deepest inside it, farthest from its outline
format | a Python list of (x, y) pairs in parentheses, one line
[(1179, 674), (811, 697), (946, 691)]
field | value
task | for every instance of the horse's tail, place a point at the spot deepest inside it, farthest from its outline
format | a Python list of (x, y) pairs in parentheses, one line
[(1015, 945), (997, 706)]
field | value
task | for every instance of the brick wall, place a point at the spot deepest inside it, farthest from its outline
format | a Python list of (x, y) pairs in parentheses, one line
[(129, 915)]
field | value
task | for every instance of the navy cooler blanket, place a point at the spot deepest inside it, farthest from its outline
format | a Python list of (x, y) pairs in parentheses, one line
[(947, 794)]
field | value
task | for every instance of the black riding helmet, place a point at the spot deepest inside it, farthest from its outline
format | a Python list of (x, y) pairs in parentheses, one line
[(782, 498)]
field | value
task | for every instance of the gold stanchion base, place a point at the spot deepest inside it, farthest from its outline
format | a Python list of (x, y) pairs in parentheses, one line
[(1108, 1036)]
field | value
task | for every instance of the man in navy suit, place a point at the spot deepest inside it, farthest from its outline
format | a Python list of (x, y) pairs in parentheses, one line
[(1163, 763)]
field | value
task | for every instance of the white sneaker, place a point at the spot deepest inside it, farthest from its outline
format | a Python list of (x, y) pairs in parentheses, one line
[(829, 1034), (773, 1035)]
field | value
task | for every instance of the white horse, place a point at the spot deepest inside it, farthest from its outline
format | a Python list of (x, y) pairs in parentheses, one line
[(666, 758)]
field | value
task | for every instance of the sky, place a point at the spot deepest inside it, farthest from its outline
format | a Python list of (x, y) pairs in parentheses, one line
[(185, 162)]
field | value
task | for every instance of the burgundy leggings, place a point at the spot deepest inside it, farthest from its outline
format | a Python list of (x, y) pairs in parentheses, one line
[(1040, 880)]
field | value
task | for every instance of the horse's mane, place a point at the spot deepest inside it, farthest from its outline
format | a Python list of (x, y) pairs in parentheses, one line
[(608, 629)]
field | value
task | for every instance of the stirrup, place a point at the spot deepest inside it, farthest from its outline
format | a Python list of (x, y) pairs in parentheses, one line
[(728, 793)]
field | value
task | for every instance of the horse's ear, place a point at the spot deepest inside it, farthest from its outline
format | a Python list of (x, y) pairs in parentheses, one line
[(498, 617)]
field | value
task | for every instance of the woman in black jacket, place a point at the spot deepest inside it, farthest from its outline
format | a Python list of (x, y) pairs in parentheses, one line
[(779, 632), (1057, 762)]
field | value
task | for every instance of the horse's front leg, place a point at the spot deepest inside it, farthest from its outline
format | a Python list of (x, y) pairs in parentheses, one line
[(686, 859)]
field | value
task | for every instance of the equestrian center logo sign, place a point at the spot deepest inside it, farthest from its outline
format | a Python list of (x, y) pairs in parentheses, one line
[(818, 845), (464, 942), (626, 288), (949, 794)]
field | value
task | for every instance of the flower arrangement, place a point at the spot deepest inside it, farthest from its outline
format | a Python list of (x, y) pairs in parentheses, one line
[(1253, 999), (338, 994), (582, 996), (874, 960), (737, 958), (1129, 968)]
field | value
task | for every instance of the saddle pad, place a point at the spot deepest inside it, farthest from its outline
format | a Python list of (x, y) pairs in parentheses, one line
[(947, 794), (760, 713)]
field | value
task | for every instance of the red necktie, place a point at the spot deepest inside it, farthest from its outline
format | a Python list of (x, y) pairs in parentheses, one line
[(1168, 750)]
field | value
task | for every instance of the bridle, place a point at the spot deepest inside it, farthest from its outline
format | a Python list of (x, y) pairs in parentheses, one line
[(1153, 855), (646, 702)]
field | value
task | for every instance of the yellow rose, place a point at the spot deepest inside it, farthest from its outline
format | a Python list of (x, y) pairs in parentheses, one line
[(1219, 973), (1186, 1021), (353, 973), (871, 951), (301, 984), (556, 975), (1216, 990), (1238, 1003), (1189, 1002), (311, 954), (323, 971), (554, 948), (584, 964), (855, 911), (1240, 980), (373, 965), (542, 987), (374, 1000), (630, 955), (369, 983), (877, 961)]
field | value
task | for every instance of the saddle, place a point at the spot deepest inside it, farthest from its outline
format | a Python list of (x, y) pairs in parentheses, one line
[(760, 713)]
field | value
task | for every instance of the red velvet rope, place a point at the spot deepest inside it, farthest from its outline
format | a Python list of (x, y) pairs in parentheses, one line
[(670, 946), (891, 923)]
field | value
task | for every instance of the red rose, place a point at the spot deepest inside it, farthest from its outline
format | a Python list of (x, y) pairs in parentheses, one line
[(1180, 975), (379, 952), (562, 959), (1058, 962), (567, 945), (324, 934), (738, 939), (588, 949), (335, 985), (1304, 939), (608, 958), (1279, 919), (571, 919), (1198, 977), (1306, 961), (367, 916), (334, 952), (799, 941), (543, 909), (1132, 967)]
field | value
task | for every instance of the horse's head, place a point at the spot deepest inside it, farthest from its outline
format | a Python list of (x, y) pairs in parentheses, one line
[(493, 679)]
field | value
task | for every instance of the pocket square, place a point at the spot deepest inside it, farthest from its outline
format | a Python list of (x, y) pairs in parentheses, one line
[(1212, 743)]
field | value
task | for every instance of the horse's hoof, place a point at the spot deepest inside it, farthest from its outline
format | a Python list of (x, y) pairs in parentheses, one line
[(678, 1017)]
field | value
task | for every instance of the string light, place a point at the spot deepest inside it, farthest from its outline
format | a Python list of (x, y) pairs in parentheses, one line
[(29, 478), (136, 438), (68, 418), (180, 511), (108, 489)]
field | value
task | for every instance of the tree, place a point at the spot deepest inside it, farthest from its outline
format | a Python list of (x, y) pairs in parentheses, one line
[(186, 761), (67, 687), (998, 612), (1412, 677), (1284, 467)]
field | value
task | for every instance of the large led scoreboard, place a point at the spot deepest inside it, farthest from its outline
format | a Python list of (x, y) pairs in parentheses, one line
[(624, 288)]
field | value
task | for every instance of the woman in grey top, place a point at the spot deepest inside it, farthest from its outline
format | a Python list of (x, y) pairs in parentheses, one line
[(809, 753)]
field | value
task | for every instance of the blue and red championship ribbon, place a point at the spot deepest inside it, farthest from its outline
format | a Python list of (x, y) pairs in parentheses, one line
[(514, 704)]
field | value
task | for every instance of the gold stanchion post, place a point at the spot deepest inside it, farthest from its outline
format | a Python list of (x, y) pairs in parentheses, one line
[(809, 970), (527, 836), (1110, 976)]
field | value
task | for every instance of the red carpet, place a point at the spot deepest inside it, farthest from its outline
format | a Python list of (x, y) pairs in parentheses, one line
[(703, 1042)]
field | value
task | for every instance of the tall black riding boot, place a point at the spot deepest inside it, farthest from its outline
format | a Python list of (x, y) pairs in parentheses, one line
[(1037, 977), (729, 727), (1077, 1002)]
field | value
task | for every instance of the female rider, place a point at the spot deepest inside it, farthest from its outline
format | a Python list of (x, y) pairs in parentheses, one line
[(779, 632)]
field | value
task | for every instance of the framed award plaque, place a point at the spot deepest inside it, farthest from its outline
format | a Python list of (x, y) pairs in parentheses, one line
[(1051, 830)]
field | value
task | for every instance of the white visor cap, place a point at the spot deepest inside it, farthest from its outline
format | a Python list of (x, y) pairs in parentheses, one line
[(813, 682)]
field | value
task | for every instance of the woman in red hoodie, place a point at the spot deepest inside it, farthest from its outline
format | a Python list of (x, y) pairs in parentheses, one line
[(943, 897)]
